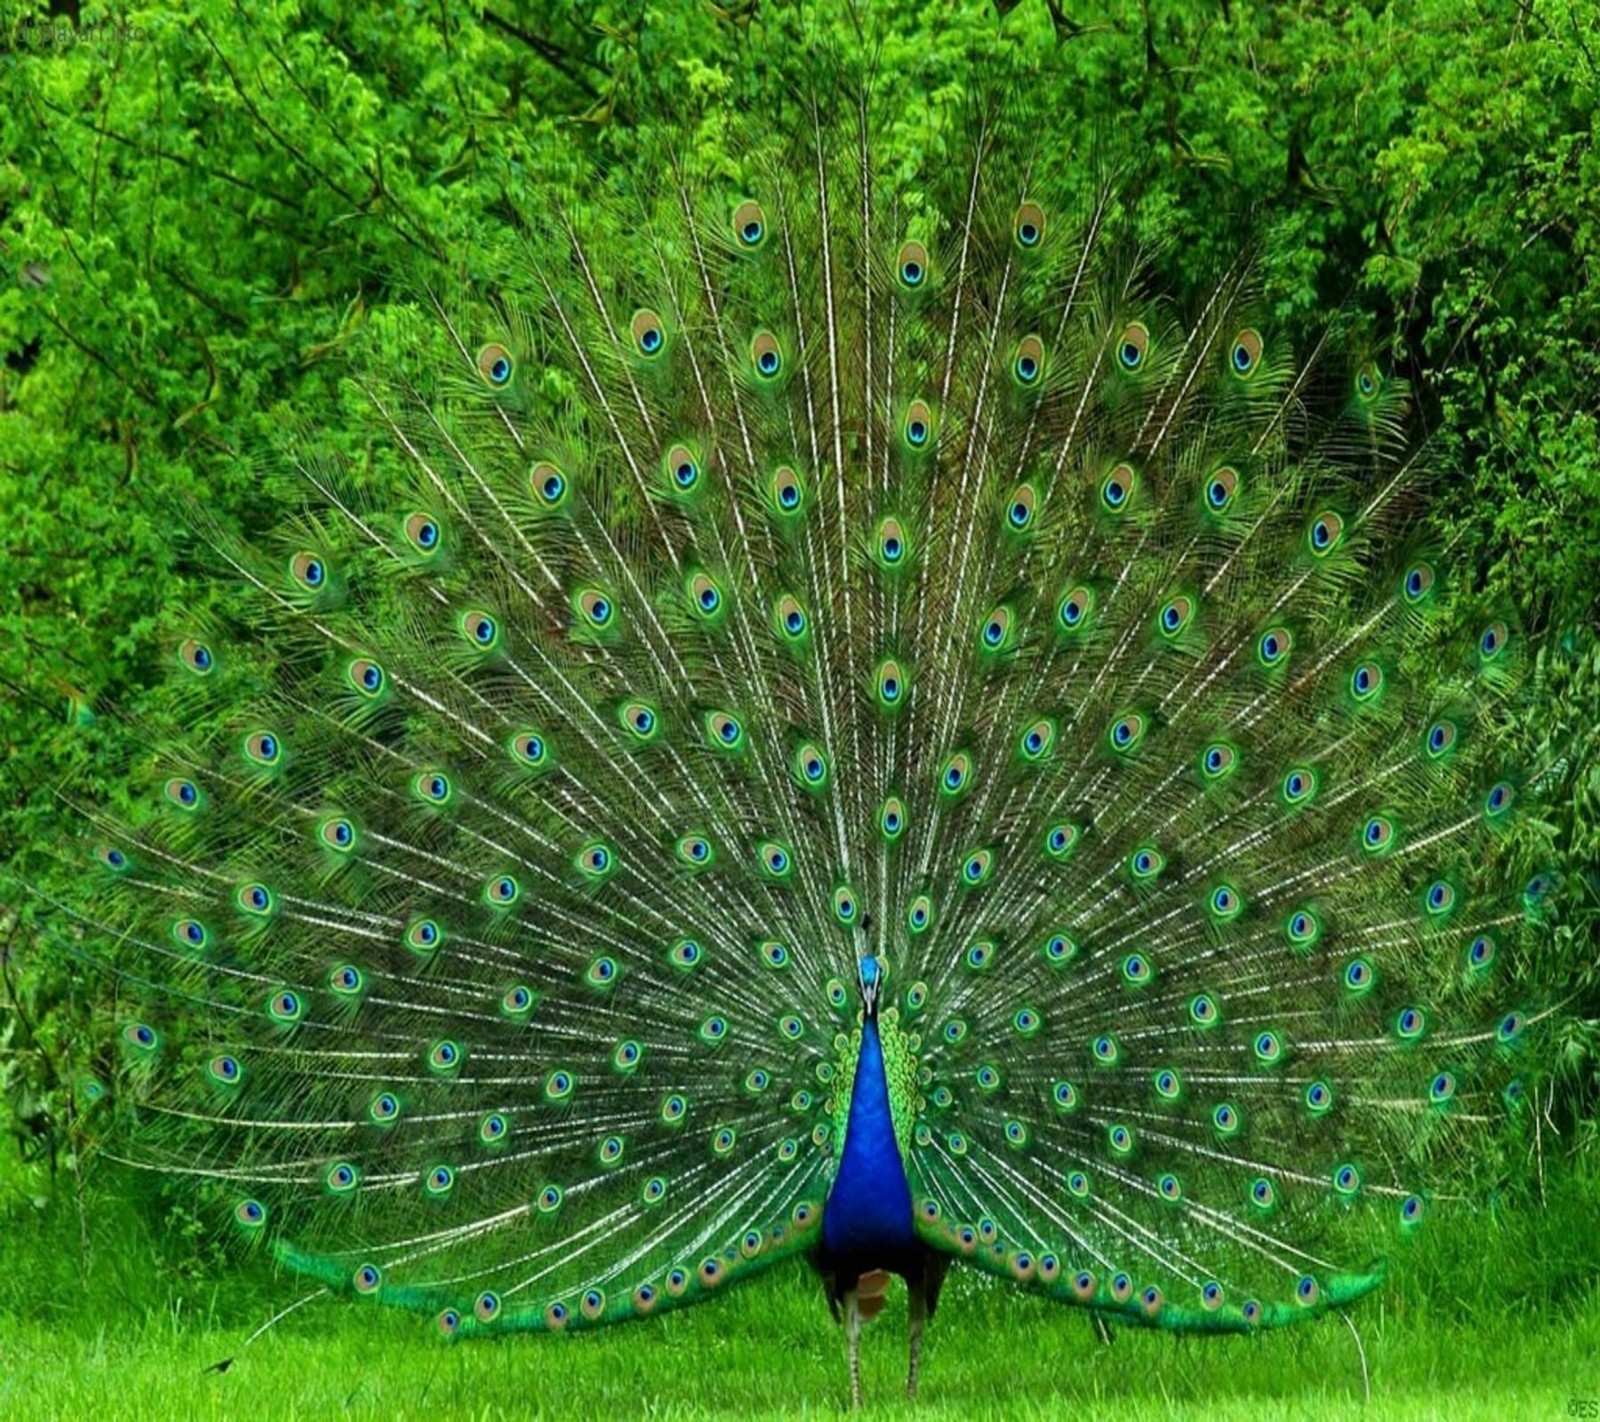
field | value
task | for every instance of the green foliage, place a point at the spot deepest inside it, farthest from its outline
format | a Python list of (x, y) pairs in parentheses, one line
[(201, 205)]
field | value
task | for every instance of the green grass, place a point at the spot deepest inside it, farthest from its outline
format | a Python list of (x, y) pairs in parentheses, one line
[(1497, 1315)]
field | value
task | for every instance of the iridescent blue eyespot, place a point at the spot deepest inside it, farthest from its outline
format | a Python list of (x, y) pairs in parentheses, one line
[(1059, 948), (1134, 344), (197, 657), (517, 1000), (549, 484), (595, 607), (1302, 928), (1441, 737), (1072, 611), (1378, 834), (766, 354), (308, 570), (1221, 489), (1409, 1025), (1325, 533), (647, 333), (1028, 225), (1246, 353), (1480, 952), (1225, 902), (494, 365), (918, 424), (366, 676), (1176, 615), (1116, 487), (913, 264), (1366, 681), (749, 224), (1029, 361), (1440, 897), (286, 1006), (1022, 507), (250, 1213)]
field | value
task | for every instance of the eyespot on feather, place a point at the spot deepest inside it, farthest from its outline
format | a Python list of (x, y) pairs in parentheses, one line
[(197, 657), (1244, 356), (649, 336), (549, 484), (495, 366), (423, 534), (911, 265), (1133, 345), (309, 572), (1221, 489), (682, 468), (1027, 365), (918, 424), (1028, 226), (749, 225), (766, 356)]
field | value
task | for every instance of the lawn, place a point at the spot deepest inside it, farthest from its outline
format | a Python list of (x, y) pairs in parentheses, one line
[(1497, 1315)]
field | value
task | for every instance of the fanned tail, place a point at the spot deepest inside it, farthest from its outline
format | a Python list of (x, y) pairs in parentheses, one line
[(751, 574)]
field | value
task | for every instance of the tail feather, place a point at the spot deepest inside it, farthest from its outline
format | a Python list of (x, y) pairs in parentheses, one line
[(755, 574)]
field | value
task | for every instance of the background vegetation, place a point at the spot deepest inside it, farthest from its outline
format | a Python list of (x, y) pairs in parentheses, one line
[(202, 203)]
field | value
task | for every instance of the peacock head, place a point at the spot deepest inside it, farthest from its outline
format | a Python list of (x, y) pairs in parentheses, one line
[(869, 975)]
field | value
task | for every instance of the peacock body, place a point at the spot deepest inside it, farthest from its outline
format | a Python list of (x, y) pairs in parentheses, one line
[(835, 722)]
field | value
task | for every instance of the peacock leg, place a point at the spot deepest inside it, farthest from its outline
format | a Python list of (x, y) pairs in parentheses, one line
[(852, 1334), (919, 1316)]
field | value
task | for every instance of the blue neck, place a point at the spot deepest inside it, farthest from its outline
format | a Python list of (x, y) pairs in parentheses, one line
[(869, 1206)]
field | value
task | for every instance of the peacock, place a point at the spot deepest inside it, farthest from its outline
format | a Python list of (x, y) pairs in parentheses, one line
[(832, 719)]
